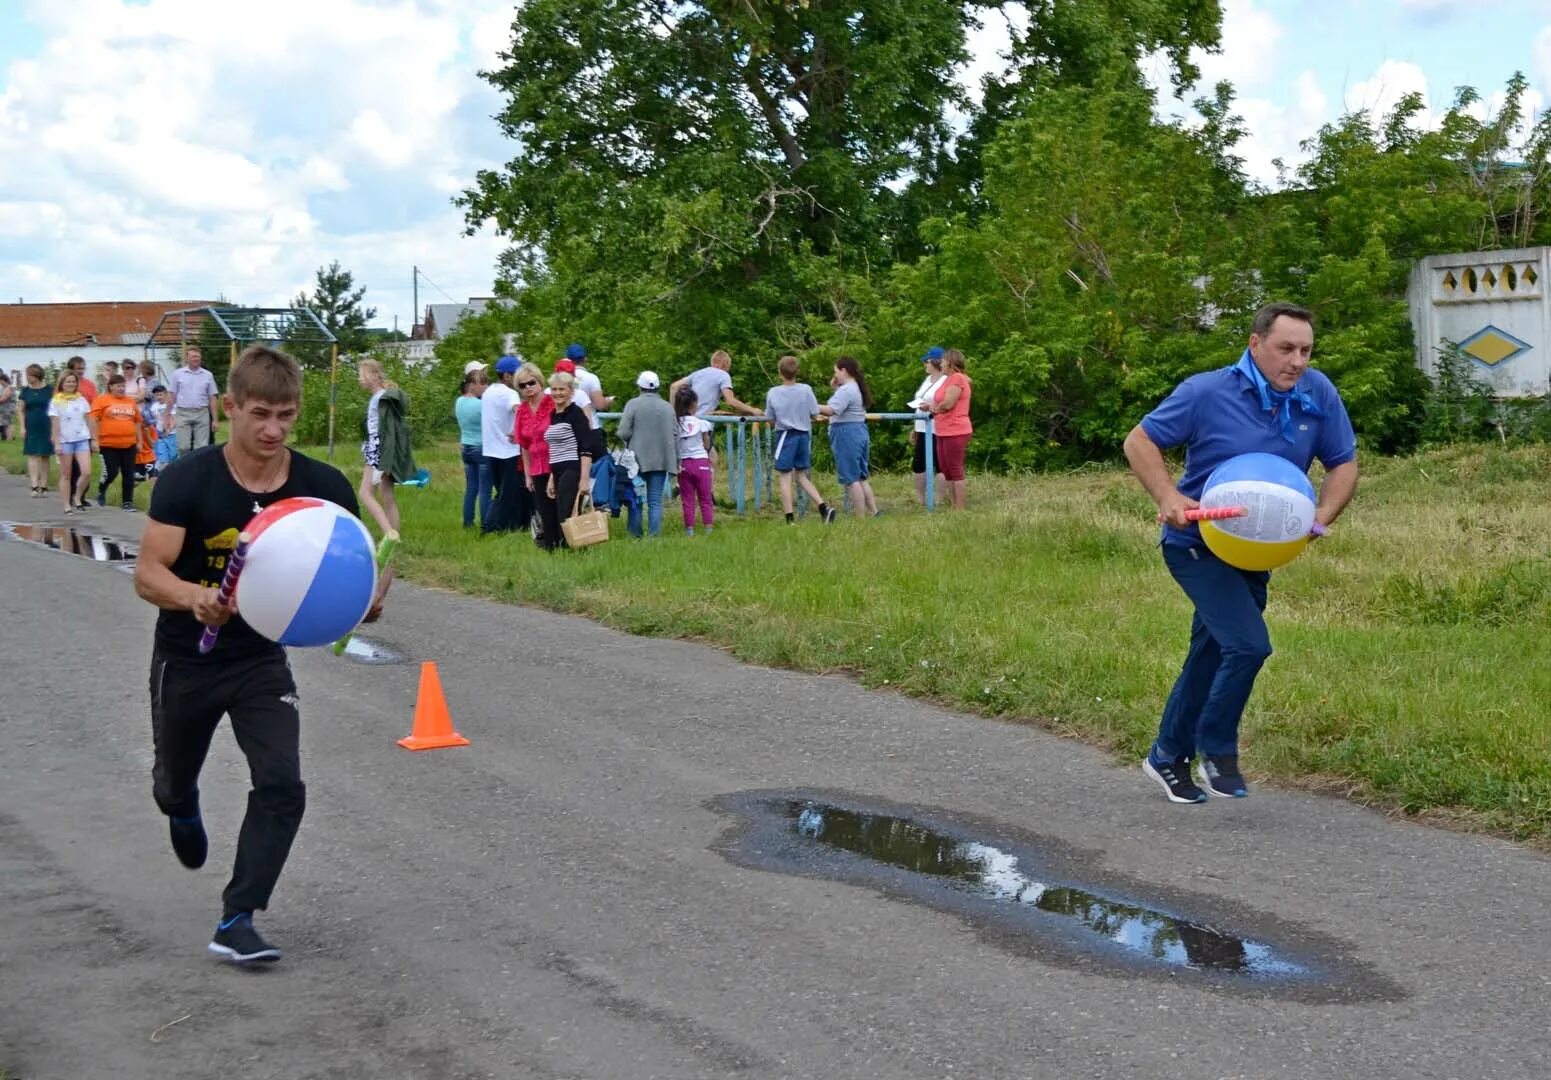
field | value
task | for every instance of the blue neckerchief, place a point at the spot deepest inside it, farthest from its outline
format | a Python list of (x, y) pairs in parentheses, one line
[(1273, 400)]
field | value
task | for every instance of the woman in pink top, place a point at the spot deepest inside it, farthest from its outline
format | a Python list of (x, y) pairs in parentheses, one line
[(950, 425), (533, 413)]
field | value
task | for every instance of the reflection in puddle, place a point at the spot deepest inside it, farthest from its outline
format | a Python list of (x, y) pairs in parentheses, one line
[(991, 874), (71, 541), (1039, 897), (365, 651)]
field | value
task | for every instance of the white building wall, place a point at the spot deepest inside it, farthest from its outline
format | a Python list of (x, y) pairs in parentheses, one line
[(1495, 305), (14, 360)]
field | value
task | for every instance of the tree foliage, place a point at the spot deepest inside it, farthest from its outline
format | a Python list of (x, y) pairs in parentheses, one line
[(336, 300), (808, 176)]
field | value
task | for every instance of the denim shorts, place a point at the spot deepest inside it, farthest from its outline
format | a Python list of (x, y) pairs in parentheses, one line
[(850, 444), (80, 446), (794, 451)]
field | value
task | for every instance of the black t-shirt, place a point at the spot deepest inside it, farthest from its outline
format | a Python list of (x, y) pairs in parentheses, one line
[(197, 494)]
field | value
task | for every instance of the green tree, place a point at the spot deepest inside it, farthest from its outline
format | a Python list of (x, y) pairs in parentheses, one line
[(336, 300), (694, 174)]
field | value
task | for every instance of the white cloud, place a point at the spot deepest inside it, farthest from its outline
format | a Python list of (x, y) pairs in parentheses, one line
[(187, 147), (1393, 80), (1249, 55)]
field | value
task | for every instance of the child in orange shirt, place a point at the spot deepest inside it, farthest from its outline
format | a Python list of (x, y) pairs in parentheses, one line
[(115, 424)]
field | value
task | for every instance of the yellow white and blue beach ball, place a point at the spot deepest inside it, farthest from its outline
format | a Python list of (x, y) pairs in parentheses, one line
[(1279, 501)]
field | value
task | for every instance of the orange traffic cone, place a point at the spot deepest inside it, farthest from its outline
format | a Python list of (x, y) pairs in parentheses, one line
[(433, 724)]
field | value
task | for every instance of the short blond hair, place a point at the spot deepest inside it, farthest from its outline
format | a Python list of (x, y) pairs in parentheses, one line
[(530, 369), (562, 379)]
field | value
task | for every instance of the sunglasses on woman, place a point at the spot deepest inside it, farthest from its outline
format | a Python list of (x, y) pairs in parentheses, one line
[(525, 385)]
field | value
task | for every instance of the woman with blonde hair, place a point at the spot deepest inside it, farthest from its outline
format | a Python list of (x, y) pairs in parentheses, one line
[(386, 451), (534, 408), (72, 435), (949, 406), (571, 444)]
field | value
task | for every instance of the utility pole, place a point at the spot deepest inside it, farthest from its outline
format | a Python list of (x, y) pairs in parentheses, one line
[(414, 287)]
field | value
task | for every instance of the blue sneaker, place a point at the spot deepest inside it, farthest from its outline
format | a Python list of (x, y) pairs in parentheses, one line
[(1175, 778), (237, 941), (1220, 776)]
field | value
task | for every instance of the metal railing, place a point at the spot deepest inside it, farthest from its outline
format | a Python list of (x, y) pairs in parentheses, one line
[(739, 456)]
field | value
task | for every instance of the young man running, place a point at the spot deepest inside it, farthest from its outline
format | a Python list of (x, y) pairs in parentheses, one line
[(197, 508)]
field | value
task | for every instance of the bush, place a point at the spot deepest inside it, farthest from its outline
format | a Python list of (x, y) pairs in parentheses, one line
[(430, 388)]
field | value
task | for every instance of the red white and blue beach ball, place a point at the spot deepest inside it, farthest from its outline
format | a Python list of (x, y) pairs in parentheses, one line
[(310, 572)]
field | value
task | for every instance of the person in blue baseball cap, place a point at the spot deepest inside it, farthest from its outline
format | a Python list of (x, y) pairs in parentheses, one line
[(512, 506), (934, 376)]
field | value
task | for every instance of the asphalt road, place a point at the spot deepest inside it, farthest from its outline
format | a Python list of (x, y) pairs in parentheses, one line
[(558, 900)]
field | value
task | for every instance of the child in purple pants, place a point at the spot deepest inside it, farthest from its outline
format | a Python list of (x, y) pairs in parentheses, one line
[(694, 462)]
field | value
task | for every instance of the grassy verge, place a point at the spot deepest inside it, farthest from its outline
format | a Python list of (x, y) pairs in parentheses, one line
[(1410, 668)]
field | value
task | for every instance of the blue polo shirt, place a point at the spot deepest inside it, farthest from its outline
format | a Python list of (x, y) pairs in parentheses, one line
[(1217, 415)]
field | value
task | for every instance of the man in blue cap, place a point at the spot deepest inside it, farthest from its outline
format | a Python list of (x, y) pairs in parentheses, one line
[(934, 377), (1269, 402), (511, 507)]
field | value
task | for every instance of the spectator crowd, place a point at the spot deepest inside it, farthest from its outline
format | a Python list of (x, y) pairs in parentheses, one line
[(534, 451)]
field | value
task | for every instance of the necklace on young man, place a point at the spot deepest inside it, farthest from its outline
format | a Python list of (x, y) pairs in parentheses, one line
[(264, 486)]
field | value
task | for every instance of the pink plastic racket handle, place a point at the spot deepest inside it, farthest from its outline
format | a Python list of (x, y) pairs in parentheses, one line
[(1215, 513), (224, 593)]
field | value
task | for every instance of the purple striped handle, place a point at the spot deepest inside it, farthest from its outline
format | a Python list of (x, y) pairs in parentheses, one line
[(228, 587)]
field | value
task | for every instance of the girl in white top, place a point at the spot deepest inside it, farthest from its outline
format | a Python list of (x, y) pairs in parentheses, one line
[(691, 445), (67, 411), (694, 462)]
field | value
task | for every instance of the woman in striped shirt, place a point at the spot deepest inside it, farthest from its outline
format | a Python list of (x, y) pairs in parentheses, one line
[(569, 439)]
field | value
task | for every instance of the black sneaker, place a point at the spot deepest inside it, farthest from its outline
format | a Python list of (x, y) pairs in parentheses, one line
[(188, 840), (1175, 778), (130, 507), (237, 941), (102, 500), (830, 515), (1221, 777)]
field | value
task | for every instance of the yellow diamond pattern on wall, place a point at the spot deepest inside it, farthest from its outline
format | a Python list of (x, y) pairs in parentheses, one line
[(1492, 346)]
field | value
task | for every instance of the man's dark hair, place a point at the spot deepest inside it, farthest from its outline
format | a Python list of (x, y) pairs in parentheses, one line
[(265, 374), (1266, 317)]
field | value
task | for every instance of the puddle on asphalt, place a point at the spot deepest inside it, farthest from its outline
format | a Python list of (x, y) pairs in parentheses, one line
[(74, 541), (1035, 896), (366, 651), (991, 874)]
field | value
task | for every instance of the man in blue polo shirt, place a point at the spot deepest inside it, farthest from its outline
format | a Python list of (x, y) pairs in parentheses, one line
[(1270, 402)]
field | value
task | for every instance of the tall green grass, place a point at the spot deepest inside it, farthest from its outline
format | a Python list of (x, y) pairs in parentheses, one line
[(1410, 667), (1411, 658)]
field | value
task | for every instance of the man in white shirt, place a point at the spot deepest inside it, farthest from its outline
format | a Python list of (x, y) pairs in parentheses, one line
[(498, 417), (194, 395)]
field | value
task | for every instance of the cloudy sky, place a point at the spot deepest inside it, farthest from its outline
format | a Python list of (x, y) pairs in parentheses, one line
[(180, 149)]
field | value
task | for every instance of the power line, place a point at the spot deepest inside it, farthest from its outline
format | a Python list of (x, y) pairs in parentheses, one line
[(434, 285)]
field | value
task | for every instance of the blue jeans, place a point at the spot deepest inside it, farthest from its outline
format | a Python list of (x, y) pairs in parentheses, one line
[(655, 481), (1228, 646), (476, 483)]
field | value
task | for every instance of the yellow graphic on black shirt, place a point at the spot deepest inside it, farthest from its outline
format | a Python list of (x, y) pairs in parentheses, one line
[(216, 548)]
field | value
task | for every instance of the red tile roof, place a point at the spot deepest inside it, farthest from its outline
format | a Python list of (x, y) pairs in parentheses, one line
[(110, 322)]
